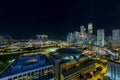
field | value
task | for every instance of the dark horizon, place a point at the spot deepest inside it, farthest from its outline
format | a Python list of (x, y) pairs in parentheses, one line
[(23, 19)]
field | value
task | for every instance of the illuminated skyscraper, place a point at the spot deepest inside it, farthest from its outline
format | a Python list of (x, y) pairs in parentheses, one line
[(82, 31), (100, 37), (77, 37), (116, 37), (81, 34), (70, 38), (90, 32)]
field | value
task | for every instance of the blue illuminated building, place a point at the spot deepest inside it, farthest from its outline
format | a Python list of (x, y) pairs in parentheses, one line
[(29, 67)]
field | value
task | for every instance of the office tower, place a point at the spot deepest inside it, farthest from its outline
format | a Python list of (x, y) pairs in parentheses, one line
[(116, 37), (109, 41), (82, 34), (82, 31), (77, 37), (100, 37), (38, 37), (70, 38), (76, 34), (81, 28), (90, 32), (113, 70)]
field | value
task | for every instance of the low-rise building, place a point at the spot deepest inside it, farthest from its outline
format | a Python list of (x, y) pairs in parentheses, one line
[(66, 63), (29, 67)]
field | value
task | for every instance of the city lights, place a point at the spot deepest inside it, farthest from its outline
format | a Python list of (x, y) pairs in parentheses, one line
[(60, 40)]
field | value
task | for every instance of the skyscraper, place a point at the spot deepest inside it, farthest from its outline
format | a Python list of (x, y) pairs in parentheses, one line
[(116, 37), (70, 38), (81, 34), (90, 32), (100, 37), (77, 37), (82, 31)]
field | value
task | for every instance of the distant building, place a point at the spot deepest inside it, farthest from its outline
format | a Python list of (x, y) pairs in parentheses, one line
[(42, 37), (116, 37), (77, 37), (90, 32), (100, 37), (109, 41), (94, 39), (74, 38), (82, 31), (83, 35), (70, 38), (113, 70), (5, 39)]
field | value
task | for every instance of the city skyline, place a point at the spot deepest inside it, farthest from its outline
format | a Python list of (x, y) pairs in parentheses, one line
[(33, 36), (60, 40)]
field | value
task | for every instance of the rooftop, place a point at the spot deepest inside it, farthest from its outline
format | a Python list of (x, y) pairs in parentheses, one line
[(67, 55), (72, 58), (25, 63)]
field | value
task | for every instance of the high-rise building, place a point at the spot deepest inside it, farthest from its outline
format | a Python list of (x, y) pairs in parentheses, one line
[(90, 28), (77, 37), (100, 37), (108, 40), (90, 32), (82, 31), (113, 70), (82, 34), (116, 37), (70, 38)]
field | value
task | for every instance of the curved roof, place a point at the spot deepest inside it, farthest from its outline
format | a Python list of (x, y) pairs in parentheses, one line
[(69, 51)]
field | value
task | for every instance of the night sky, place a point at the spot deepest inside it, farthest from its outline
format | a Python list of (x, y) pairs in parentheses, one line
[(25, 19)]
